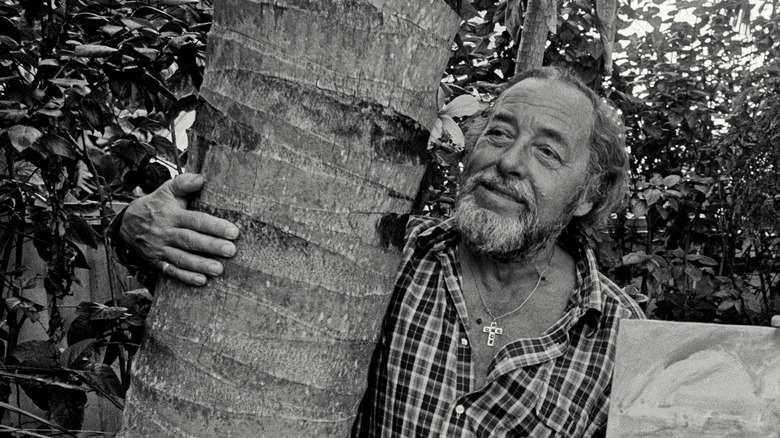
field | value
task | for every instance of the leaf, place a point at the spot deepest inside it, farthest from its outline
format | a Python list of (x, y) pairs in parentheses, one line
[(93, 113), (78, 355), (653, 131), (638, 207), (79, 259), (8, 42), (80, 231), (652, 196), (94, 51), (30, 308), (146, 11), (656, 180), (24, 58), (726, 305), (82, 328), (135, 23), (702, 259), (442, 94), (635, 258), (436, 132), (23, 137), (28, 172), (66, 408), (672, 180), (162, 145), (97, 311), (453, 130), (184, 121), (12, 115), (147, 124), (462, 106), (9, 29), (82, 207), (68, 82), (51, 112), (58, 146), (693, 272), (111, 29), (89, 19), (42, 355), (674, 119), (135, 296), (104, 379)]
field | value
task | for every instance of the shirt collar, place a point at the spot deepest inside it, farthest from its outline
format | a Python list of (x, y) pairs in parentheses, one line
[(440, 237), (590, 293), (444, 236)]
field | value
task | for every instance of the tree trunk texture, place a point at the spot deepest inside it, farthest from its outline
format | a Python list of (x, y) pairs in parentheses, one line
[(533, 39), (312, 129)]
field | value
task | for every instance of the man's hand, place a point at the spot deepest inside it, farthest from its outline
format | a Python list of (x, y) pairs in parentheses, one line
[(178, 241)]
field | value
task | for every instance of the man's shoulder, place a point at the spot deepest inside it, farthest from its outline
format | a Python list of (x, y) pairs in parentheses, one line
[(617, 296), (417, 225)]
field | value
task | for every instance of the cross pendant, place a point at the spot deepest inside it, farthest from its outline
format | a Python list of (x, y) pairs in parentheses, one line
[(492, 331)]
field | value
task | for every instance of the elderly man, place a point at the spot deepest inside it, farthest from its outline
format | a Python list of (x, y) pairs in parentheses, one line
[(500, 323)]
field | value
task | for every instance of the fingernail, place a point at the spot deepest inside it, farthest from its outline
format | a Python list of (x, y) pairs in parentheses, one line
[(231, 232), (228, 250), (776, 321), (215, 269), (199, 280)]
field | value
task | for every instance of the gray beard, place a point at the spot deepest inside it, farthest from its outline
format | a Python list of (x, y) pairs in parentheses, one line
[(506, 239)]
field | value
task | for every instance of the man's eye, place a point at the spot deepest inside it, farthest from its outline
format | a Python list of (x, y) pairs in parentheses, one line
[(497, 132), (549, 152)]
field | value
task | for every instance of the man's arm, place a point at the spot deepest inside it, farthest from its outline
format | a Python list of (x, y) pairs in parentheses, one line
[(159, 228)]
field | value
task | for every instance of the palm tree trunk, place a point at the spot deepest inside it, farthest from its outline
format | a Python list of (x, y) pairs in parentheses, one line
[(533, 41), (312, 128)]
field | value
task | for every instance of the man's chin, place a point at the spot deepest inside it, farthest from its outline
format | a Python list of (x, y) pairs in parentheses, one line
[(495, 205)]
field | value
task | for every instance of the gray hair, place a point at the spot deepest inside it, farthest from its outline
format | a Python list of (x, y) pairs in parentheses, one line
[(608, 163)]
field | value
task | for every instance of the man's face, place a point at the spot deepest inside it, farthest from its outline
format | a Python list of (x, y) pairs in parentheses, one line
[(526, 176)]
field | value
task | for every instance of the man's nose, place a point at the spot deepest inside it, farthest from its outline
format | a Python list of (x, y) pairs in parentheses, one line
[(514, 160)]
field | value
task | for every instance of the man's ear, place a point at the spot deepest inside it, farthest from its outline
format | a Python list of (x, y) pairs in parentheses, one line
[(586, 202), (583, 208)]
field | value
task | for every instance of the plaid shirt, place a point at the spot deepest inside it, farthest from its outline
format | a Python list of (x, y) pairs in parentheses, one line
[(421, 381)]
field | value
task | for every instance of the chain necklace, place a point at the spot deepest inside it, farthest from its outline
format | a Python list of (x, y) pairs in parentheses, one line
[(493, 329)]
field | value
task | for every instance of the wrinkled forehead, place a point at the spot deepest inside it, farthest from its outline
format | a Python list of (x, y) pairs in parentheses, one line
[(555, 105)]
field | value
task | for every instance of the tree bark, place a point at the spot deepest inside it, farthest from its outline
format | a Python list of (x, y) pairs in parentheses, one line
[(312, 128), (533, 39)]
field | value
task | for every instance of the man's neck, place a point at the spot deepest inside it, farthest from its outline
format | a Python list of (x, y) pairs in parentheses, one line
[(492, 273)]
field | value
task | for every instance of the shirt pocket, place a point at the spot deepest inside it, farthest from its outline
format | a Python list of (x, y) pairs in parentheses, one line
[(560, 413)]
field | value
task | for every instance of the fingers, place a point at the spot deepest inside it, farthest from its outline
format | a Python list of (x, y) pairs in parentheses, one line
[(195, 242), (776, 321), (160, 229), (186, 184), (191, 268), (207, 224), (183, 275)]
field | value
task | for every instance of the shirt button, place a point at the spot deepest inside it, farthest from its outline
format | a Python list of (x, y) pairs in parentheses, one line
[(464, 341), (459, 409)]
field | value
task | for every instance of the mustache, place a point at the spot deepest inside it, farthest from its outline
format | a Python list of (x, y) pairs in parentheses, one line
[(492, 180)]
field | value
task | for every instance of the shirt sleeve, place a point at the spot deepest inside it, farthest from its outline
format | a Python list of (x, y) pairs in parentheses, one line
[(138, 266)]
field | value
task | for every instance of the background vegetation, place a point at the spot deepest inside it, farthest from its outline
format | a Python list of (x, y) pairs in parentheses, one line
[(95, 97)]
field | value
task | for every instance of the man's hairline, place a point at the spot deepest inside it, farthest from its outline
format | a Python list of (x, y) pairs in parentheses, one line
[(593, 177)]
